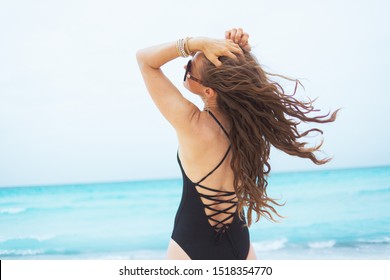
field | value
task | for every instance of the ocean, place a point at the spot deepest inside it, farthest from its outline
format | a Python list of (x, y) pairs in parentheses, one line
[(332, 214)]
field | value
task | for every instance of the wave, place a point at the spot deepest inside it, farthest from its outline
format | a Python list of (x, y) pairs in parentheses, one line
[(14, 253), (12, 210), (32, 239), (382, 240), (322, 244), (272, 245)]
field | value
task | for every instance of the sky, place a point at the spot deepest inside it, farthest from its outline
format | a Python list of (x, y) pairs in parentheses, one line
[(74, 109)]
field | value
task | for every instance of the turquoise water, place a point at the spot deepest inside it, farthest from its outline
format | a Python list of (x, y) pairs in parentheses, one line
[(337, 214)]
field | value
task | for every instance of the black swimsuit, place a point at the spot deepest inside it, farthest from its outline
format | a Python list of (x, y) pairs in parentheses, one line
[(192, 229)]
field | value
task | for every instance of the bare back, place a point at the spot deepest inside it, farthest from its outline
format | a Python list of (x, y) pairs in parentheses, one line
[(205, 156), (202, 149)]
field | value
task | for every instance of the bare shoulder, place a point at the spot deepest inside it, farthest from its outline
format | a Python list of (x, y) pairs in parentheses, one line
[(196, 138)]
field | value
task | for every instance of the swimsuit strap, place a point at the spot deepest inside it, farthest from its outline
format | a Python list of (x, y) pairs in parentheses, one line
[(214, 200), (219, 164), (227, 152), (224, 130)]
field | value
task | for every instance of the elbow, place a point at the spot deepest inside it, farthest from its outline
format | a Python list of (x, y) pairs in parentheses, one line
[(144, 59), (140, 57)]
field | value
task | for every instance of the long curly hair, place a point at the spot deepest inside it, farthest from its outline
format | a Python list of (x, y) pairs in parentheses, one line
[(259, 114)]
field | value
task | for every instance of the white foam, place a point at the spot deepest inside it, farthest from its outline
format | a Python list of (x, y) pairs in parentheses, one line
[(20, 252), (42, 237), (12, 210), (272, 245), (385, 239), (32, 237), (322, 244)]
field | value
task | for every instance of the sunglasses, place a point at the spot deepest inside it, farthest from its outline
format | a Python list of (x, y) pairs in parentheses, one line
[(188, 73)]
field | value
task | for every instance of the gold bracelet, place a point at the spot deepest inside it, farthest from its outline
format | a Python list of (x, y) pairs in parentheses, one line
[(186, 46), (177, 47), (180, 47)]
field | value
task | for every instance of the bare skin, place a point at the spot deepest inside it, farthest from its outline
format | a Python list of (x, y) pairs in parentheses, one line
[(202, 143)]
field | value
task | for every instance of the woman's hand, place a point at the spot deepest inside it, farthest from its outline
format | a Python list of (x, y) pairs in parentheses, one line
[(214, 48), (239, 37)]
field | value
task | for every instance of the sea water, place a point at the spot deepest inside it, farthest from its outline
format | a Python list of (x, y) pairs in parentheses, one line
[(334, 214)]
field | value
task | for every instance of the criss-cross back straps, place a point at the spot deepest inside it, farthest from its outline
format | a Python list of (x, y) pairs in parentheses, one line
[(219, 197), (212, 201)]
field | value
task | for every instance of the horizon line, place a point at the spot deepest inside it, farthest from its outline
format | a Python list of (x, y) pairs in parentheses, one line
[(179, 178)]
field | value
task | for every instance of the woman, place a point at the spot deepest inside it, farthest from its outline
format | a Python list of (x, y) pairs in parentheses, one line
[(224, 149)]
